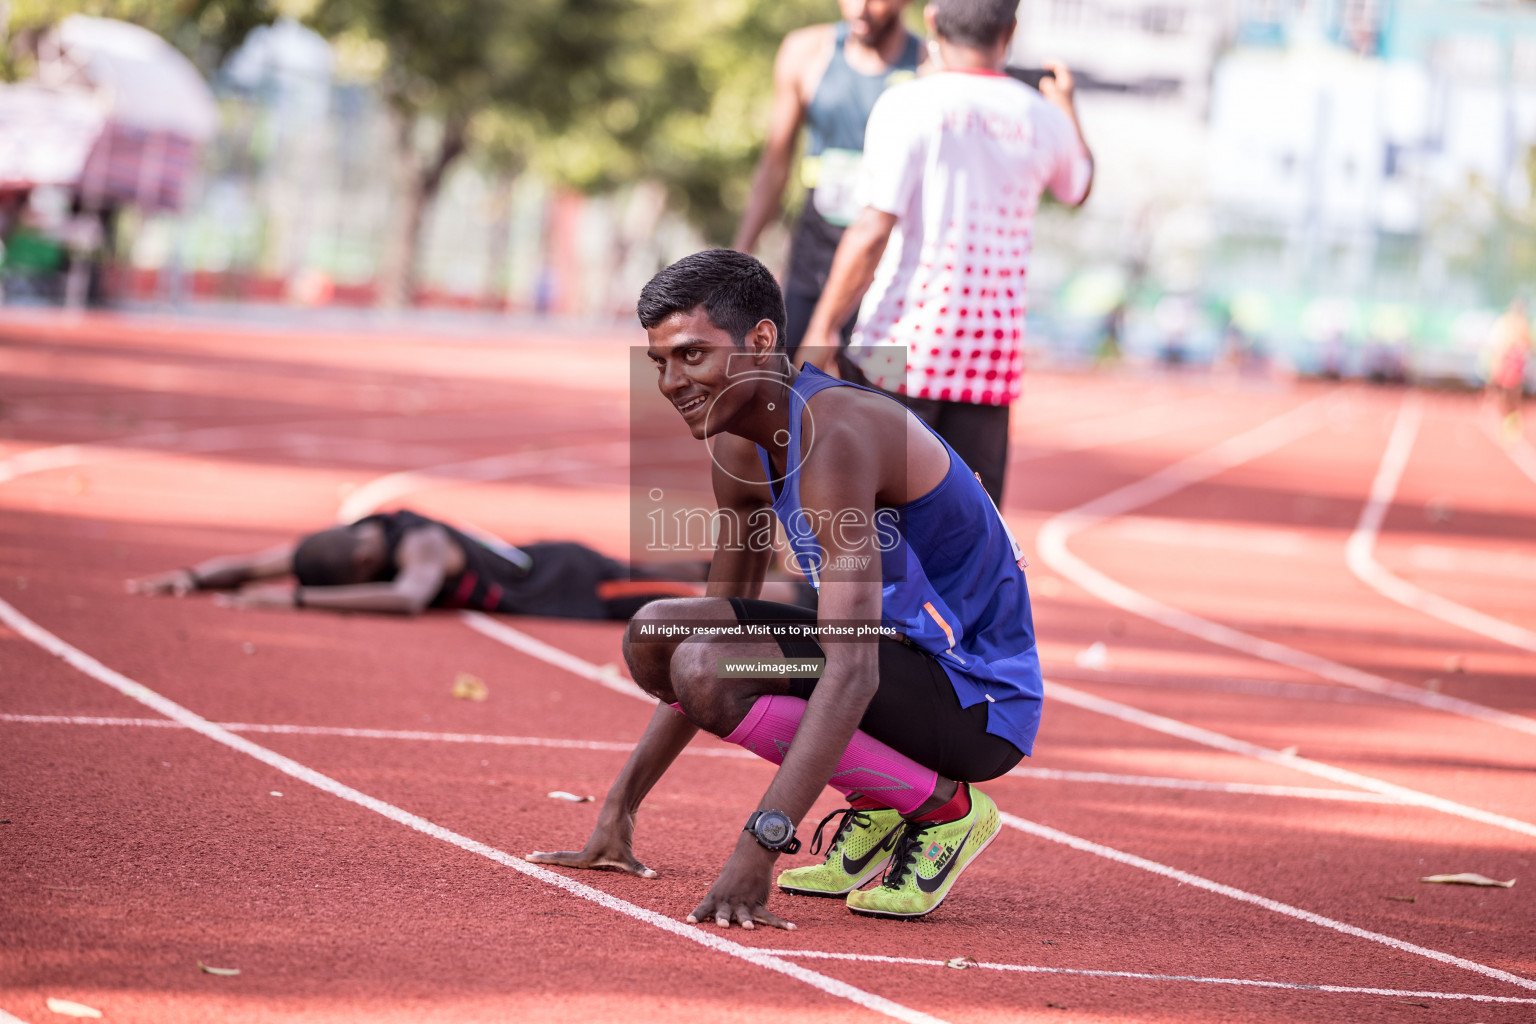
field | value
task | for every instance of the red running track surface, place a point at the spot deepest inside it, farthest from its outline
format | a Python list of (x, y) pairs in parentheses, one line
[(1157, 872)]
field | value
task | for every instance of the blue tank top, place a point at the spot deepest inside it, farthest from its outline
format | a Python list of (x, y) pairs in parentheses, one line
[(952, 580)]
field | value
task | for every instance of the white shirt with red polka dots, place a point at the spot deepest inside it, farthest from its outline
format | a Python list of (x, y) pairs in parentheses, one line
[(961, 159)]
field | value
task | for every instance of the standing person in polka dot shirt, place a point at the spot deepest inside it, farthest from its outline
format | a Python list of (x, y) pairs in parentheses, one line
[(954, 166)]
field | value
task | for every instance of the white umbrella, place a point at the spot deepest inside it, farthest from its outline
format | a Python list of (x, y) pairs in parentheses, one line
[(148, 83)]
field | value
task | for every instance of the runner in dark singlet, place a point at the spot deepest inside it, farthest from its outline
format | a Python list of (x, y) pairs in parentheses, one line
[(404, 562), (826, 77)]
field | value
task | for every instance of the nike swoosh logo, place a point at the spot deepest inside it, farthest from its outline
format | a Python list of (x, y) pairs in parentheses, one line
[(853, 867), (931, 885)]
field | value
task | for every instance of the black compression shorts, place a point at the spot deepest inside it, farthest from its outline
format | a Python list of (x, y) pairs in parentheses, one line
[(915, 710)]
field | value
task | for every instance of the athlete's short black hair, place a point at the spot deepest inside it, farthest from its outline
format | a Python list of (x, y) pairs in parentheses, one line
[(324, 559), (978, 23), (736, 291)]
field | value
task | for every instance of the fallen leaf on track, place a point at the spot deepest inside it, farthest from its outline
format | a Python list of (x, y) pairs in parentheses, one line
[(66, 1008), (222, 972), (1404, 899), (561, 794), (1290, 751), (468, 687), (1467, 878), (960, 963), (1057, 1006)]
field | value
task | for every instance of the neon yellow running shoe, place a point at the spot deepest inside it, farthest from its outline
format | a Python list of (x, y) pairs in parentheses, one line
[(860, 848), (928, 858)]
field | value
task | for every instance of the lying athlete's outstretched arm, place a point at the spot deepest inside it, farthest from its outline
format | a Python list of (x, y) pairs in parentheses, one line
[(423, 557), (222, 573)]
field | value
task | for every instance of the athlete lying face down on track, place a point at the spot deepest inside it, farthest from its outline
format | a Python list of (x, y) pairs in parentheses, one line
[(403, 562), (897, 534)]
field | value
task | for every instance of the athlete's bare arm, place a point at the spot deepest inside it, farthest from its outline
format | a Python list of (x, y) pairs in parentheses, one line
[(1059, 89), (853, 268), (222, 573), (735, 571), (426, 556), (802, 58), (840, 478)]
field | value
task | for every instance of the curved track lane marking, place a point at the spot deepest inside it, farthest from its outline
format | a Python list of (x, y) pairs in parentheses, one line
[(1359, 552), (1268, 437), (732, 753), (694, 933), (811, 954)]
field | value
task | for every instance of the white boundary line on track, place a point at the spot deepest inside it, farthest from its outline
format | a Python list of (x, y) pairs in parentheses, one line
[(811, 954), (1162, 782), (607, 676), (1184, 877), (1168, 725), (6, 1018), (1343, 776), (694, 933), (1267, 437), (1519, 450), (731, 753), (1360, 556)]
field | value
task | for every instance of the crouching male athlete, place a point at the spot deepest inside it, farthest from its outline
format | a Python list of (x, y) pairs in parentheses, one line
[(901, 725)]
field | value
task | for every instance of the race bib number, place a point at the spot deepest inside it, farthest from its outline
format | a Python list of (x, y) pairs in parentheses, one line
[(836, 178)]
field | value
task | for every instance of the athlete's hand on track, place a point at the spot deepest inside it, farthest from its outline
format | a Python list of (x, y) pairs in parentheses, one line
[(177, 581), (610, 847), (267, 596), (740, 894)]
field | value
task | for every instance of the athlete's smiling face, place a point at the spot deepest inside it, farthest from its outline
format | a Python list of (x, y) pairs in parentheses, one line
[(703, 372)]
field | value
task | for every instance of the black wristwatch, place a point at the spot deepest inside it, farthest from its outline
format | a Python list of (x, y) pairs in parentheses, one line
[(773, 831)]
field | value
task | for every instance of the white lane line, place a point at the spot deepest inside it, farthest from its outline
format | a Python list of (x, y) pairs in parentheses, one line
[(1231, 892), (1057, 531), (414, 735), (812, 954), (606, 676), (1343, 776), (734, 753), (1519, 450), (1056, 691), (1159, 782), (376, 492), (1360, 556), (6, 1018), (700, 934)]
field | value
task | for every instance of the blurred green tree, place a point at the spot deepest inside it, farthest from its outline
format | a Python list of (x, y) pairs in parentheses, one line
[(448, 68), (687, 106)]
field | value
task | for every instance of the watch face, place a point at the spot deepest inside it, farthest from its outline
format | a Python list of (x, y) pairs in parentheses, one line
[(774, 829)]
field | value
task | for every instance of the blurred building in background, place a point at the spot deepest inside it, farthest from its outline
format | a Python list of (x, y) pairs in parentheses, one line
[(1346, 184)]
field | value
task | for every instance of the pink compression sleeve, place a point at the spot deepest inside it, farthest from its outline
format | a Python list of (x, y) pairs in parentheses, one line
[(867, 766)]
